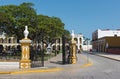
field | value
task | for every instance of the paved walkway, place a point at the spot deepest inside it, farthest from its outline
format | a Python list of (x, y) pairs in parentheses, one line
[(57, 61)]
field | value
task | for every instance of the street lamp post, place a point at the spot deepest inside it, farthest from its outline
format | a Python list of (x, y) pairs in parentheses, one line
[(63, 50), (87, 49), (42, 54)]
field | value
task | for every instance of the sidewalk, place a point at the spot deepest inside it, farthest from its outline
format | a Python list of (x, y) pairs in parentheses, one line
[(110, 56), (52, 65), (57, 61)]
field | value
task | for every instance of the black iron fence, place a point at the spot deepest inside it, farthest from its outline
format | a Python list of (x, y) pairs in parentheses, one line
[(37, 53), (10, 53)]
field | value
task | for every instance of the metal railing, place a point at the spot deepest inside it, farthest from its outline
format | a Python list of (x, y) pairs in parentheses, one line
[(11, 54)]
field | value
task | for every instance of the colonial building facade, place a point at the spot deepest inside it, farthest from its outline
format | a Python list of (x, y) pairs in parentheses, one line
[(79, 41), (82, 43), (106, 41), (8, 41), (12, 41)]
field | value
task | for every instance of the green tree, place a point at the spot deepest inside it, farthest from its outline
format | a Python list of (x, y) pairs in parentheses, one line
[(13, 20), (19, 17), (50, 27), (26, 15), (7, 22)]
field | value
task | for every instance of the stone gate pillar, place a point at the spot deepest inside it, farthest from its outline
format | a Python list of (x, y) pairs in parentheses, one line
[(73, 50), (25, 61)]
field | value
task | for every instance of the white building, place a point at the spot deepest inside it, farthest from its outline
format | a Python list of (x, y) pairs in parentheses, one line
[(8, 41), (105, 33), (80, 42), (87, 45)]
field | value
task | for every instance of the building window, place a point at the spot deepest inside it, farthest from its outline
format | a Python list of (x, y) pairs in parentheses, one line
[(58, 47), (17, 40), (80, 41), (54, 47), (76, 40), (115, 35), (9, 41)]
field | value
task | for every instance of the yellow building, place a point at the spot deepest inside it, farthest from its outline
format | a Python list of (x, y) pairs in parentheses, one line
[(107, 44)]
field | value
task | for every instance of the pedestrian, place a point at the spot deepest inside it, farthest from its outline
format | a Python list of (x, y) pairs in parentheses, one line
[(79, 51)]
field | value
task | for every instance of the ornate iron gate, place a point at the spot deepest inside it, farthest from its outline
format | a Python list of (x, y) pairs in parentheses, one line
[(65, 49), (36, 56)]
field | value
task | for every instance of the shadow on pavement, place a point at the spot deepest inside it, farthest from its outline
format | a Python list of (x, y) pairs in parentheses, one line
[(57, 62)]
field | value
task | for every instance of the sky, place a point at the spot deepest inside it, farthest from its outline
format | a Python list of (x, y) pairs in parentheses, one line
[(82, 16)]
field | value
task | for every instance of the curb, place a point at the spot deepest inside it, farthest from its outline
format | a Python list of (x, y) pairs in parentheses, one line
[(31, 71), (36, 71)]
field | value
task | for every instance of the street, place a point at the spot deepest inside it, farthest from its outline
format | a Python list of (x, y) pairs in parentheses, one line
[(102, 68)]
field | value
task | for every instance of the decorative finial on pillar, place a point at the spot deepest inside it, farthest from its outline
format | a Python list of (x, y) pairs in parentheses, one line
[(72, 34), (26, 32)]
